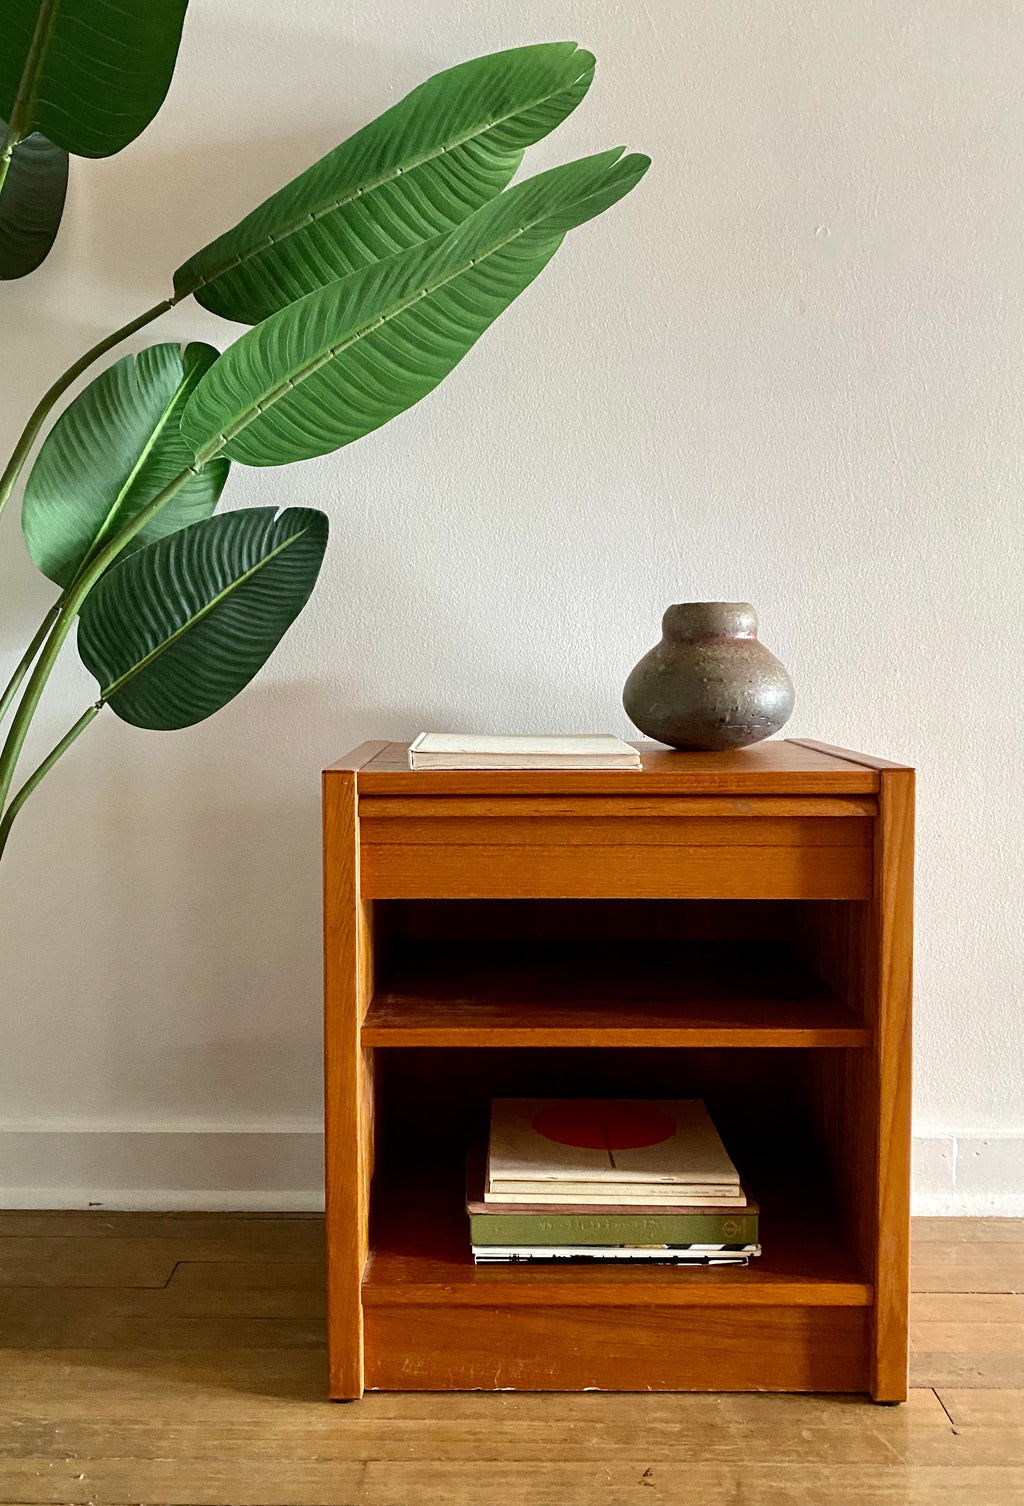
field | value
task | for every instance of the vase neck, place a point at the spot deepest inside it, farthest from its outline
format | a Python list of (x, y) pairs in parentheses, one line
[(709, 619)]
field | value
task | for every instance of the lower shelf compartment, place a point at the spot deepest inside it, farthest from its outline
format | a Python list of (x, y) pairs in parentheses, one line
[(648, 1348), (420, 1257)]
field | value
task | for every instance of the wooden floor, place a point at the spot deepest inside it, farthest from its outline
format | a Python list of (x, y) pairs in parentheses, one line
[(179, 1359)]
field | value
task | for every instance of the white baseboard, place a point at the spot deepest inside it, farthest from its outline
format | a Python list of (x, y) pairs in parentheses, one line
[(972, 1176), (169, 1169), (211, 1168)]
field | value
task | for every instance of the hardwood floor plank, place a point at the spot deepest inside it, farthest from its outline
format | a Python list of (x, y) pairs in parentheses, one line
[(975, 1340), (40, 1262), (968, 1230), (142, 1383), (64, 1308), (168, 1317), (685, 1440), (967, 1266), (970, 1338), (979, 1370), (284, 1236), (35, 1260), (632, 1481), (967, 1307), (238, 1275), (984, 1409), (119, 1333)]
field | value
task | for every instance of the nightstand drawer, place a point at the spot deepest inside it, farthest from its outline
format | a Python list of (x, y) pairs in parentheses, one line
[(488, 851)]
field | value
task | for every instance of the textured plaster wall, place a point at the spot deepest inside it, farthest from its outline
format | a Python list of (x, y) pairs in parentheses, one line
[(788, 369)]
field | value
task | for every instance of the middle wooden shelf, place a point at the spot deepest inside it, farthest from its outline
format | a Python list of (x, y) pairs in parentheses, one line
[(621, 993)]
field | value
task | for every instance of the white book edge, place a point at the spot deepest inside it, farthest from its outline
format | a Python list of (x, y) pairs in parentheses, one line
[(567, 745), (593, 1199), (618, 1252), (661, 1257)]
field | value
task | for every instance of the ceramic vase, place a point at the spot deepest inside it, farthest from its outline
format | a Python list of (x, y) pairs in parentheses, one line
[(709, 684)]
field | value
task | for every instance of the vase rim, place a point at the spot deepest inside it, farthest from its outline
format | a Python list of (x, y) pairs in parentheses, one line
[(710, 619)]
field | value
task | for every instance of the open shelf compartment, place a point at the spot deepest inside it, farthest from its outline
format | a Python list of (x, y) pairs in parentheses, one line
[(655, 993), (619, 973), (420, 1254)]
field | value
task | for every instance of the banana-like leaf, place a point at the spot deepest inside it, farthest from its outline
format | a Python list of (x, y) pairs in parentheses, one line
[(342, 361), (421, 167), (110, 452), (31, 204), (89, 74), (175, 631)]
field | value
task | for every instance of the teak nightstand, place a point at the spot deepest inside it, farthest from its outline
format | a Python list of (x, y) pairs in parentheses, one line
[(733, 926)]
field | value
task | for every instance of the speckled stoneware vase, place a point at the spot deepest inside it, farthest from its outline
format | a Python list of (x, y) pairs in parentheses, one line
[(709, 684)]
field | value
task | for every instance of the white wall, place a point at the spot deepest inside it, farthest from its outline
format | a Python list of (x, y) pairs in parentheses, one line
[(787, 370)]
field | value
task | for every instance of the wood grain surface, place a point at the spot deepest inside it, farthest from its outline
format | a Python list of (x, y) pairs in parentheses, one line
[(348, 1078), (516, 865), (93, 1411), (769, 768), (891, 987)]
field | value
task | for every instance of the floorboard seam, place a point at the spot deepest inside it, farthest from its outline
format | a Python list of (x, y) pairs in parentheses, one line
[(170, 1278), (953, 1427)]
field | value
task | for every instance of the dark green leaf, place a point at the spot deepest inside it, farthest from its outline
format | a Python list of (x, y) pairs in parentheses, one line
[(344, 360), (421, 167), (175, 631), (31, 204), (89, 74), (110, 452)]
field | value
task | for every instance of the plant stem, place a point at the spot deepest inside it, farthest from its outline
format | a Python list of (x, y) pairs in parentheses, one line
[(10, 142), (34, 58), (64, 621), (44, 768), (18, 124), (27, 658), (60, 386)]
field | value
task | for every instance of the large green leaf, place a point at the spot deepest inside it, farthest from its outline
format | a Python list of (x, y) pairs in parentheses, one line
[(110, 452), (31, 204), (421, 167), (175, 631), (342, 361), (89, 74)]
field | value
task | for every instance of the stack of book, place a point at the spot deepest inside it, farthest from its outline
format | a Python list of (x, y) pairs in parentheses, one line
[(617, 1179)]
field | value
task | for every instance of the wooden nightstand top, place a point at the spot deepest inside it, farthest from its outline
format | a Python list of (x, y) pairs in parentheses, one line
[(782, 767)]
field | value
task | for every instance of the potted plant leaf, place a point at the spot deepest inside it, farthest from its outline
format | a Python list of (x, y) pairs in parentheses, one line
[(365, 281)]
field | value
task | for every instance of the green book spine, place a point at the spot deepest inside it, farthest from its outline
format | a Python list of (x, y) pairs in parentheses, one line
[(616, 1229)]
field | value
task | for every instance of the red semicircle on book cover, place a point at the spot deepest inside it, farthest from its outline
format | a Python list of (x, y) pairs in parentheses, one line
[(604, 1124)]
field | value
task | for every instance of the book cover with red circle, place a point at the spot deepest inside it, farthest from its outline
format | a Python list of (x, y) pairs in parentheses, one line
[(649, 1149)]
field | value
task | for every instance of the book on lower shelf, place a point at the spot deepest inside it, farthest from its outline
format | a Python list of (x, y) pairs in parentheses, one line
[(607, 1180), (471, 750), (608, 1255)]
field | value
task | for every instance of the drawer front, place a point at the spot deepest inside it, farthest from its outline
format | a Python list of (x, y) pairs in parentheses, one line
[(643, 857)]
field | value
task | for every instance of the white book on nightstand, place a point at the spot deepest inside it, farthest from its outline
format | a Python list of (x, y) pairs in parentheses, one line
[(472, 750)]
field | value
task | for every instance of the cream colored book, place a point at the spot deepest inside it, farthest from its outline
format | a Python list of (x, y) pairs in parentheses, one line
[(593, 1199), (611, 1149), (470, 750)]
